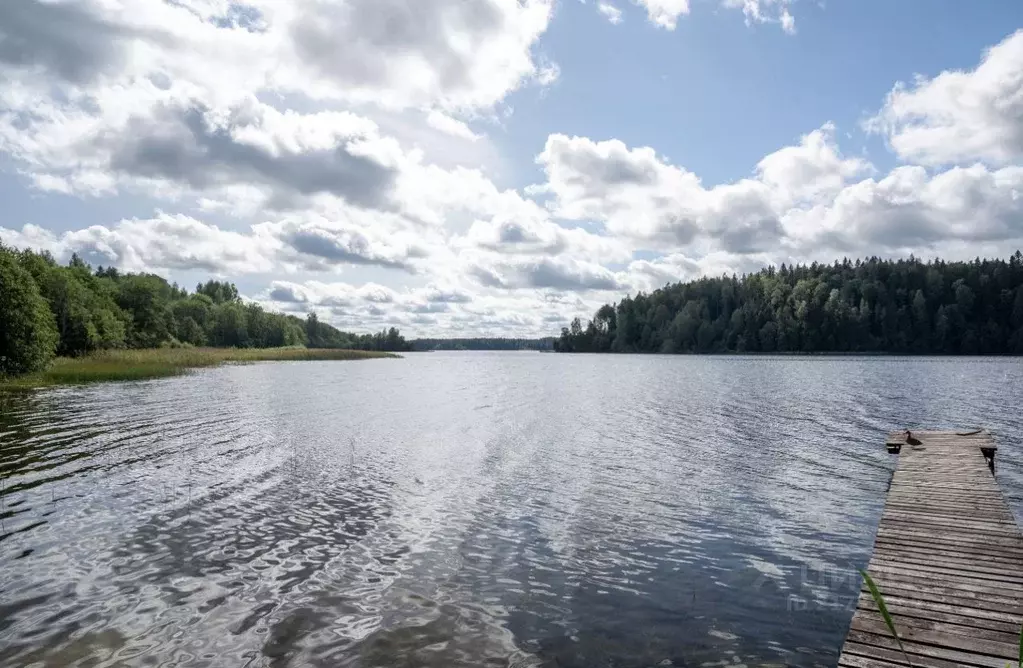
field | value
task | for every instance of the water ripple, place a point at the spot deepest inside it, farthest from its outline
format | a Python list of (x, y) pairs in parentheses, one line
[(465, 509)]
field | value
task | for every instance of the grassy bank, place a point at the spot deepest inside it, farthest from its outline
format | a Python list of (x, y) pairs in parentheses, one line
[(113, 365)]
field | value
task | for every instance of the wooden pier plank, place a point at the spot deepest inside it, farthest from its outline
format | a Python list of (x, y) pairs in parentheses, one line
[(948, 558)]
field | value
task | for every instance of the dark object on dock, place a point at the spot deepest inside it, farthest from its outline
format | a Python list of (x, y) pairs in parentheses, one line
[(896, 441), (948, 559)]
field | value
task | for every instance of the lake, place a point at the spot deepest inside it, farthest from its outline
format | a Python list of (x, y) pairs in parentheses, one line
[(466, 509)]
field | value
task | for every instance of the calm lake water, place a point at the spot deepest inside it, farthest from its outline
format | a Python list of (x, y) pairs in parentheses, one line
[(465, 509)]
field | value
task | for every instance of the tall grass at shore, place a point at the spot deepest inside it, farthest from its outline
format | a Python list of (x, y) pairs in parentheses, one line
[(114, 365)]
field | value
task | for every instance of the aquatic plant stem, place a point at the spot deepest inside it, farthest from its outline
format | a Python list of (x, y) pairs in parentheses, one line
[(879, 600)]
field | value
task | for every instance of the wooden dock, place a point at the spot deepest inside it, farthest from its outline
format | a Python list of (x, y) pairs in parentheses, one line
[(948, 560)]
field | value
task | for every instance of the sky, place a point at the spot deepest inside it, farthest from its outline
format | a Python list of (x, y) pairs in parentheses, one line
[(498, 167)]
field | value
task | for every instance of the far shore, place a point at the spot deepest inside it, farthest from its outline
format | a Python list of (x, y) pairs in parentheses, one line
[(143, 364)]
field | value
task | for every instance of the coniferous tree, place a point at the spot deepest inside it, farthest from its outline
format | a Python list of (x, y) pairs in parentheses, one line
[(870, 305)]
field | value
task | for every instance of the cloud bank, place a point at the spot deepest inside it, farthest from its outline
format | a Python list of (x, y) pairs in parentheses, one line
[(254, 128)]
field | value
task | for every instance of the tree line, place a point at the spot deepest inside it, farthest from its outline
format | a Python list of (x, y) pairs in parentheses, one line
[(483, 343), (873, 305), (47, 309)]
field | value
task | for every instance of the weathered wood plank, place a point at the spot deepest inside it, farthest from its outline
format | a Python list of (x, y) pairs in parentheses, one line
[(978, 532), (948, 558), (952, 569), (961, 619), (965, 560), (976, 525), (921, 653), (942, 595), (857, 655), (983, 615), (874, 624), (952, 511), (952, 538), (978, 551)]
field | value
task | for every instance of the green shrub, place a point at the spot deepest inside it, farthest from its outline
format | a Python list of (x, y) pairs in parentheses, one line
[(28, 333)]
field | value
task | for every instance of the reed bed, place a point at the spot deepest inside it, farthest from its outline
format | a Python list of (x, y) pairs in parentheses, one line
[(120, 365)]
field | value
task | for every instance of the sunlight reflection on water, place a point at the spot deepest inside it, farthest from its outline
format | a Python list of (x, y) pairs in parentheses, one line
[(465, 509)]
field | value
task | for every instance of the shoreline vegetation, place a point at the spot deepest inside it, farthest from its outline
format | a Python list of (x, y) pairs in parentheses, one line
[(147, 364), (482, 343), (72, 324), (871, 306)]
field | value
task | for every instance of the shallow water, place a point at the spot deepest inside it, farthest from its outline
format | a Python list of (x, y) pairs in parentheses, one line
[(465, 509)]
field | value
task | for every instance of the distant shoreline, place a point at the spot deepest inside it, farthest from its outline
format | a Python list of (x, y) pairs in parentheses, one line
[(792, 353), (149, 363)]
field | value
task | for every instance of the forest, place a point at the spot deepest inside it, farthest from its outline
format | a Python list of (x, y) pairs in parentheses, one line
[(483, 343), (47, 309), (868, 306)]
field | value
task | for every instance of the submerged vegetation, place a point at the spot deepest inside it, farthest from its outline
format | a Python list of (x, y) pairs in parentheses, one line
[(111, 365), (94, 320), (872, 305)]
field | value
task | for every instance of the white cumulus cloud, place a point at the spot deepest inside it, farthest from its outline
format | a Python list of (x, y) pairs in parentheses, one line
[(766, 11), (665, 13), (610, 12), (640, 196), (960, 116), (452, 126), (293, 144)]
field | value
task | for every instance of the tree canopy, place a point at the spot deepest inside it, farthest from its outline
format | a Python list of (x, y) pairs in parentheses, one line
[(873, 305), (28, 333), (483, 343), (47, 309)]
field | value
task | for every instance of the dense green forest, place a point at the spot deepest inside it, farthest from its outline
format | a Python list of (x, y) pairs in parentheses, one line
[(872, 305), (483, 343), (47, 309)]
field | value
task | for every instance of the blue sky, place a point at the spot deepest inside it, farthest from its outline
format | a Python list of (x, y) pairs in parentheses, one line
[(716, 95), (460, 167)]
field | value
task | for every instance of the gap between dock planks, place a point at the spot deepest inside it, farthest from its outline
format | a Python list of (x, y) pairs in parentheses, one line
[(948, 559)]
